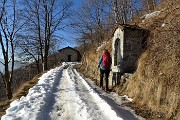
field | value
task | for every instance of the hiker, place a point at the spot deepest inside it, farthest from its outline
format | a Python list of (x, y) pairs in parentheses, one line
[(105, 66)]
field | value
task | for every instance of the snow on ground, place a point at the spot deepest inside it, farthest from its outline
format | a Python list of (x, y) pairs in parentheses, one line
[(163, 25), (64, 94), (155, 13)]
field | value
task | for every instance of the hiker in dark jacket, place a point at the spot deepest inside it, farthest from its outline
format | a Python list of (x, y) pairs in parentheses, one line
[(105, 66)]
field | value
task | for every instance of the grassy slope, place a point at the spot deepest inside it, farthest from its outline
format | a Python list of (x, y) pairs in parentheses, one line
[(156, 83)]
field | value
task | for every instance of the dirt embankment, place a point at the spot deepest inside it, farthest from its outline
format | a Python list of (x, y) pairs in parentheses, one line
[(156, 82)]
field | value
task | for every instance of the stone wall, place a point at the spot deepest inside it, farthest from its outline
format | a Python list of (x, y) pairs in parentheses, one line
[(132, 48)]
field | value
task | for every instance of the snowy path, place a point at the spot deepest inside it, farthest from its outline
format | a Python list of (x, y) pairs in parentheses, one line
[(63, 94)]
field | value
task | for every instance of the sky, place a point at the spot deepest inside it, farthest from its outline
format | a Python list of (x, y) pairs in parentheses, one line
[(68, 36), (64, 94)]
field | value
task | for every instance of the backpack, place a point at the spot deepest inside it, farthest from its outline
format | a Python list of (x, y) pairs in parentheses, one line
[(106, 60)]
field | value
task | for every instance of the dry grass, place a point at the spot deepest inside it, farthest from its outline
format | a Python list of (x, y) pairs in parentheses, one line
[(156, 83), (22, 91), (3, 106)]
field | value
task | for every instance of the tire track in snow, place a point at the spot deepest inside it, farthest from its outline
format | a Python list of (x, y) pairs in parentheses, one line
[(102, 110), (69, 105), (106, 104), (78, 101), (96, 108)]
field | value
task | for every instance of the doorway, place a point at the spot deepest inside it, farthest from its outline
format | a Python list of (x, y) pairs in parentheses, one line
[(117, 54), (69, 58)]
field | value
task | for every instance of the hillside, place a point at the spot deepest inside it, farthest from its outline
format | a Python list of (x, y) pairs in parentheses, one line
[(155, 84)]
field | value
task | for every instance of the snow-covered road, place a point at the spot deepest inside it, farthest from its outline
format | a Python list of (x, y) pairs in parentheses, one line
[(63, 94)]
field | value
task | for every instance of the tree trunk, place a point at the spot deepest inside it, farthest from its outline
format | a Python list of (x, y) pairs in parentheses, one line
[(37, 65), (130, 10), (116, 14), (46, 38), (7, 81), (8, 89), (45, 66), (123, 11)]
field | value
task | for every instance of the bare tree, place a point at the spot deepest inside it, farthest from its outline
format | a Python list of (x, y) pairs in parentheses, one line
[(9, 28), (45, 18), (29, 51), (123, 10), (149, 5), (91, 21), (130, 8)]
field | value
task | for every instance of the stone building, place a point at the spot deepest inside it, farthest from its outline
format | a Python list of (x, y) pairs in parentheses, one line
[(69, 54), (128, 43)]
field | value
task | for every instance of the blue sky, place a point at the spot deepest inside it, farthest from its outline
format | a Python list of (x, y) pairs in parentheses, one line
[(69, 37), (77, 3), (67, 34)]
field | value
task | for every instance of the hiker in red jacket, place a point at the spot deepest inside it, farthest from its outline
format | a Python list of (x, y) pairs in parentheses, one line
[(105, 66)]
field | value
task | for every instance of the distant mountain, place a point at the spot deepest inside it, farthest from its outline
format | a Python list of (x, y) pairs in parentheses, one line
[(17, 64)]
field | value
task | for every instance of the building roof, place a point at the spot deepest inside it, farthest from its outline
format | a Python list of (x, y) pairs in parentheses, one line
[(69, 48), (126, 26), (122, 26)]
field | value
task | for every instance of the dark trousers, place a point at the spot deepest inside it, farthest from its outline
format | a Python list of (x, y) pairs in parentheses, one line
[(106, 72)]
